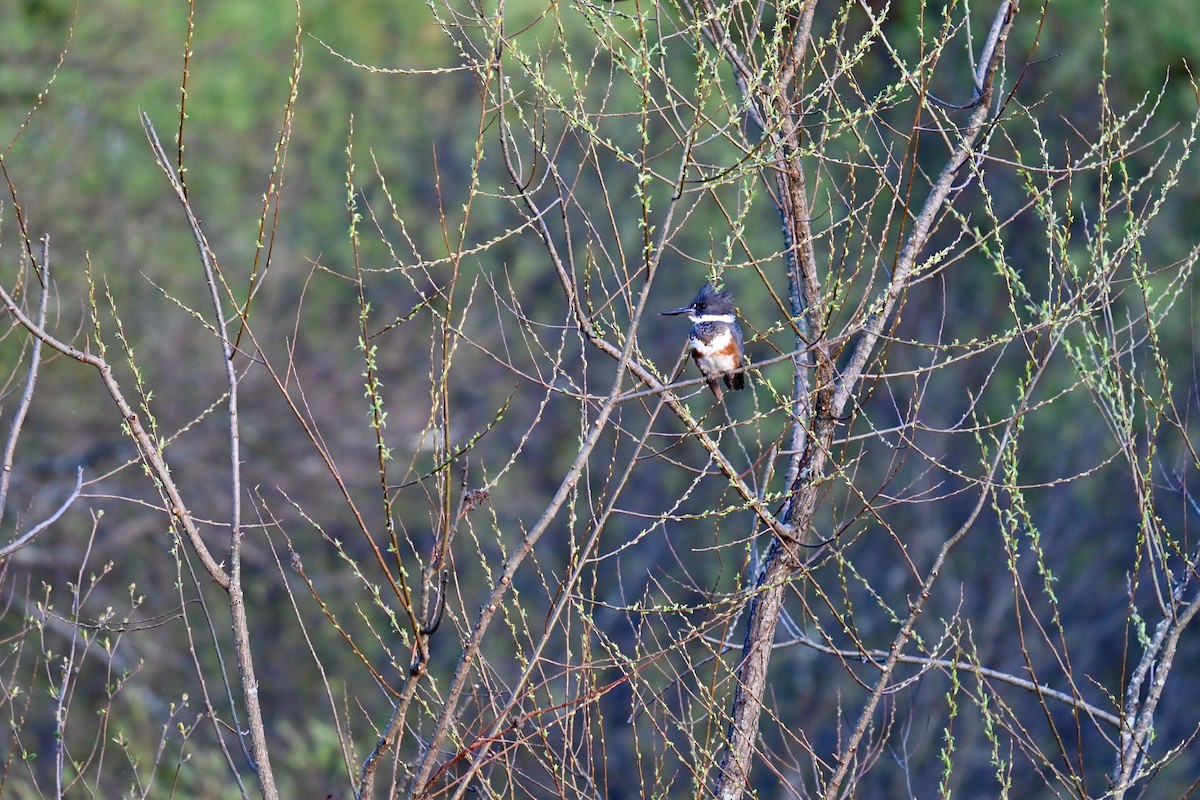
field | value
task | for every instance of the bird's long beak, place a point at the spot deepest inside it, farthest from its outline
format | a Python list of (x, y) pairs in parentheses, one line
[(684, 310)]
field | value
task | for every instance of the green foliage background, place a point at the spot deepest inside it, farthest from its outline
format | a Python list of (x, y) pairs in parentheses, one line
[(85, 174)]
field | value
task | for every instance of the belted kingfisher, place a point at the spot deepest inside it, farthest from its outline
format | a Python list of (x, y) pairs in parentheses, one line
[(716, 339)]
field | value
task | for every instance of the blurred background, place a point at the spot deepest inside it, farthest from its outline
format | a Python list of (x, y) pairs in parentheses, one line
[(83, 172)]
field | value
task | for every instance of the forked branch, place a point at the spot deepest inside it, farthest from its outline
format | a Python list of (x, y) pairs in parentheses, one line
[(781, 567)]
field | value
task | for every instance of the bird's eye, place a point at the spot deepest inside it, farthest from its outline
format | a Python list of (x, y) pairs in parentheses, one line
[(700, 306)]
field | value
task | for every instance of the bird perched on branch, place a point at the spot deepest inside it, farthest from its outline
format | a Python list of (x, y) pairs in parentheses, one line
[(715, 339)]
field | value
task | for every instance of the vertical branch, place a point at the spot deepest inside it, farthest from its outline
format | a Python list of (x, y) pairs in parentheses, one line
[(397, 581), (1145, 689), (35, 362), (781, 566), (237, 601), (69, 666), (434, 583), (180, 169)]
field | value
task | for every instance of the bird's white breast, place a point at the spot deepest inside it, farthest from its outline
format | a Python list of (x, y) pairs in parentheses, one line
[(717, 345), (716, 356)]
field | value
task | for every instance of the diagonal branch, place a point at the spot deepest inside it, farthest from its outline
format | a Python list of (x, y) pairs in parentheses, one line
[(147, 448), (38, 529)]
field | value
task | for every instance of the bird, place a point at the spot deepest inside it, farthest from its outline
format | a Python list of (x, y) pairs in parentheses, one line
[(715, 339)]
